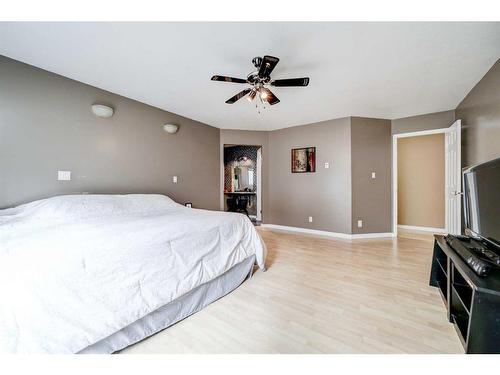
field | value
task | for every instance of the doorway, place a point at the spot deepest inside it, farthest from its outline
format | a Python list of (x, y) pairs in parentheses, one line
[(242, 182), (427, 180)]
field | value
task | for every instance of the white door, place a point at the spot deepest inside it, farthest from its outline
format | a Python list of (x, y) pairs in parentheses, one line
[(453, 178)]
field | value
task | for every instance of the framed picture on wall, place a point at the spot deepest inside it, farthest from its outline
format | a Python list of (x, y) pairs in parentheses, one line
[(304, 160)]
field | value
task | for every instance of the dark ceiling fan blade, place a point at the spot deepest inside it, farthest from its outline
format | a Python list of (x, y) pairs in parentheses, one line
[(290, 82), (228, 79), (268, 96), (238, 96), (267, 66)]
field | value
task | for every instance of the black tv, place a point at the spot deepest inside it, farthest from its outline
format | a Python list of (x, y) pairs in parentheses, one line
[(481, 184)]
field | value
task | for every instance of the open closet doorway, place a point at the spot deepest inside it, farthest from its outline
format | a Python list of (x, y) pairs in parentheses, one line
[(427, 181), (242, 189)]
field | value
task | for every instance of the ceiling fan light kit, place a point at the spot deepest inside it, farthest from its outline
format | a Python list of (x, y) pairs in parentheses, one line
[(252, 94), (260, 80)]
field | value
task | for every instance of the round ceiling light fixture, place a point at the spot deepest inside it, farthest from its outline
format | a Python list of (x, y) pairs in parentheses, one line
[(103, 111), (171, 128)]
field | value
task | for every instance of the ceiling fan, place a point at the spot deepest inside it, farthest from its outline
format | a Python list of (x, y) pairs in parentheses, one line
[(260, 80)]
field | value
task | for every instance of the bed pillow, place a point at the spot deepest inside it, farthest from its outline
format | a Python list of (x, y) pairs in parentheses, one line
[(66, 207)]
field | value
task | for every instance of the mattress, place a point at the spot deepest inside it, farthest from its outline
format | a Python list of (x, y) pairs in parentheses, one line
[(76, 270), (175, 311)]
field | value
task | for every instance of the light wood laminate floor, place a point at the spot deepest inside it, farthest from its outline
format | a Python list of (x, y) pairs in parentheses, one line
[(323, 295)]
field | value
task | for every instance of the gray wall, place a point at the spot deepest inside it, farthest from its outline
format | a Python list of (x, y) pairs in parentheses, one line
[(371, 152), (355, 147), (428, 121), (339, 196), (326, 194), (46, 125), (253, 138), (480, 112)]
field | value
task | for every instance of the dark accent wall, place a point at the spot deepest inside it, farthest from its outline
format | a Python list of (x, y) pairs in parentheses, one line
[(46, 125), (480, 114)]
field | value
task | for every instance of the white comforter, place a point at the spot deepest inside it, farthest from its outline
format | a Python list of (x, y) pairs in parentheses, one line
[(76, 269)]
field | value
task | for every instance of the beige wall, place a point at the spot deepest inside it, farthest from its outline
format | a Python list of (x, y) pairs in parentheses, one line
[(46, 125), (421, 181), (371, 152), (326, 194), (428, 121), (253, 138), (480, 112)]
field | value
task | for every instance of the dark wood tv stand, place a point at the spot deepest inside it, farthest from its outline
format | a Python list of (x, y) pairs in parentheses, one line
[(472, 302)]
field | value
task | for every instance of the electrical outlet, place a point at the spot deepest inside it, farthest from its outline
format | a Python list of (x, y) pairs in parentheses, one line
[(360, 223), (373, 175), (310, 219), (174, 179), (64, 175), (327, 165)]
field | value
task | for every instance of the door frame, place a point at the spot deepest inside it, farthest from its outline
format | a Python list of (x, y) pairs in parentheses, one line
[(395, 138), (259, 184), (259, 176)]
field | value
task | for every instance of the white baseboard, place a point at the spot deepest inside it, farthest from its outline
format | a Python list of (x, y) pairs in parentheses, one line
[(307, 230), (345, 236), (371, 235), (422, 229)]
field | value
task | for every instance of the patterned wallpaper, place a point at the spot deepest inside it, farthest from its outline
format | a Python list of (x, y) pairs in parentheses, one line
[(232, 155)]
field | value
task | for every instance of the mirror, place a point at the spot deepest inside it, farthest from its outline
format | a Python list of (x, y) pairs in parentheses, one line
[(243, 178), (240, 169)]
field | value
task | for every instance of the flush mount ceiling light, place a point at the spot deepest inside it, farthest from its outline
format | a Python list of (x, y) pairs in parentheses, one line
[(170, 128), (101, 110)]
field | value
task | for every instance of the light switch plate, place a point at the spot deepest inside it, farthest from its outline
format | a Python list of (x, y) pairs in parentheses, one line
[(327, 165), (64, 175), (174, 179), (373, 175)]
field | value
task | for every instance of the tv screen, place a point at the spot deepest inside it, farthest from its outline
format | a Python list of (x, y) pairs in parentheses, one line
[(482, 201)]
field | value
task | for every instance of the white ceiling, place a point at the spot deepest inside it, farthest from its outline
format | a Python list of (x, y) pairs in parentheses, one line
[(384, 70)]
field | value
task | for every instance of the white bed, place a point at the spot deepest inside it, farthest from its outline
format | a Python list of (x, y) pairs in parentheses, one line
[(96, 273)]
